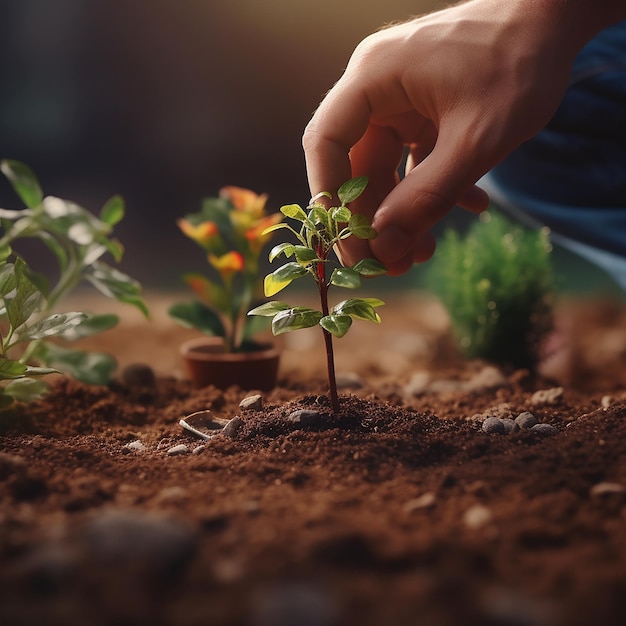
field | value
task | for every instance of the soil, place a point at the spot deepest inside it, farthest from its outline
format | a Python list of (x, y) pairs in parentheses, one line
[(401, 510)]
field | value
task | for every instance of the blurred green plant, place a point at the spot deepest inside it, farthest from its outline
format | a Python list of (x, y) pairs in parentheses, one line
[(497, 286), (28, 297), (230, 229), (320, 229)]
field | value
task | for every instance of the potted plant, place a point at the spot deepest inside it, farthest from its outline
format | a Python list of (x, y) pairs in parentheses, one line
[(230, 230)]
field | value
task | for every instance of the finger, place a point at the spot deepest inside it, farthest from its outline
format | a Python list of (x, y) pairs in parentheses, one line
[(425, 196), (422, 251), (339, 122)]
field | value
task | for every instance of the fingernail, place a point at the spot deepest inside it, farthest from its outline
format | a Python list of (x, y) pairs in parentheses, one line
[(391, 244)]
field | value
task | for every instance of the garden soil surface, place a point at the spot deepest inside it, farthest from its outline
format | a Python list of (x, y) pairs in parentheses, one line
[(401, 510)]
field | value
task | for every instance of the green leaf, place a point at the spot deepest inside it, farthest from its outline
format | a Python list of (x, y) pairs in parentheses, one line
[(295, 318), (269, 309), (305, 255), (93, 368), (345, 277), (282, 248), (92, 325), (283, 276), (115, 284), (360, 227), (23, 181), (7, 279), (369, 267), (294, 211), (360, 308), (352, 189), (26, 389), (319, 215), (10, 369), (113, 210), (50, 326), (5, 252), (26, 300), (199, 316), (340, 214), (337, 325)]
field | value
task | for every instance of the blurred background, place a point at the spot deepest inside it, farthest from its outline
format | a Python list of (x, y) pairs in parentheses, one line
[(165, 101)]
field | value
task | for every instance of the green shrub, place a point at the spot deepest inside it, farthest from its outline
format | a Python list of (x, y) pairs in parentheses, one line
[(496, 284)]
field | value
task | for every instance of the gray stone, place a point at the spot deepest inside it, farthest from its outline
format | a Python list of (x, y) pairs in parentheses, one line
[(304, 417), (545, 430), (526, 420), (509, 426), (233, 426), (136, 446), (181, 448), (547, 396), (493, 426), (252, 403), (349, 380)]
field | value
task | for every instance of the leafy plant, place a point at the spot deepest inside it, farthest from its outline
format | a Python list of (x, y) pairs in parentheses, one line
[(232, 231), (496, 285), (77, 240), (320, 229)]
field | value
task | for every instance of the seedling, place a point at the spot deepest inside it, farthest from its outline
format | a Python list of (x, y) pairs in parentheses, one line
[(496, 284), (320, 230), (231, 230), (78, 240)]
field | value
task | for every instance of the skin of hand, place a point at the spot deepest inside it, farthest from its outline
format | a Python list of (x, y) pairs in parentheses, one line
[(459, 89)]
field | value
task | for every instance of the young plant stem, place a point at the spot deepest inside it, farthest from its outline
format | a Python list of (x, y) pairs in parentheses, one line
[(328, 338)]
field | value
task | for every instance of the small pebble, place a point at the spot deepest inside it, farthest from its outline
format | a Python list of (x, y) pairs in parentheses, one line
[(607, 489), (349, 380), (136, 446), (138, 375), (252, 403), (304, 417), (509, 426), (181, 448), (199, 449), (477, 516), (545, 430), (526, 420), (425, 501), (233, 426), (494, 426), (547, 396)]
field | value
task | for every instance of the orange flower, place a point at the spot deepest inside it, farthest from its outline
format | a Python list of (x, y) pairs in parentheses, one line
[(202, 233), (200, 285), (255, 234), (227, 264), (245, 200)]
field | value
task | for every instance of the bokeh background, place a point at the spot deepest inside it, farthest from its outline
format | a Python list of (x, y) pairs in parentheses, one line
[(165, 101)]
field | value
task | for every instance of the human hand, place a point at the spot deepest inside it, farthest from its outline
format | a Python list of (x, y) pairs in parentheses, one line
[(461, 88)]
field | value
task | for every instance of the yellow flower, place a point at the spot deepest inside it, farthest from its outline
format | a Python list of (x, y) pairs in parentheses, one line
[(202, 233), (245, 200), (227, 264)]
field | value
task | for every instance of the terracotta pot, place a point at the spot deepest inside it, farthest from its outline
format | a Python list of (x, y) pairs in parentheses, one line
[(208, 364)]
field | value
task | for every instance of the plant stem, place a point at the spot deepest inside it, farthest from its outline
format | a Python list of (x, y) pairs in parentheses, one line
[(328, 338)]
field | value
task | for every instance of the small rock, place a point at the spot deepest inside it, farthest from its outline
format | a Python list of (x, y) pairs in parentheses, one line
[(172, 495), (494, 426), (545, 430), (547, 396), (526, 420), (425, 501), (138, 375), (477, 516), (233, 426), (252, 403), (136, 446), (199, 449), (418, 384), (606, 402), (304, 417), (349, 380), (181, 448), (607, 489), (509, 426), (488, 378)]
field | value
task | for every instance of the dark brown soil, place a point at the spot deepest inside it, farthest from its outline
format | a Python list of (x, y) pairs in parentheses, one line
[(399, 511)]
